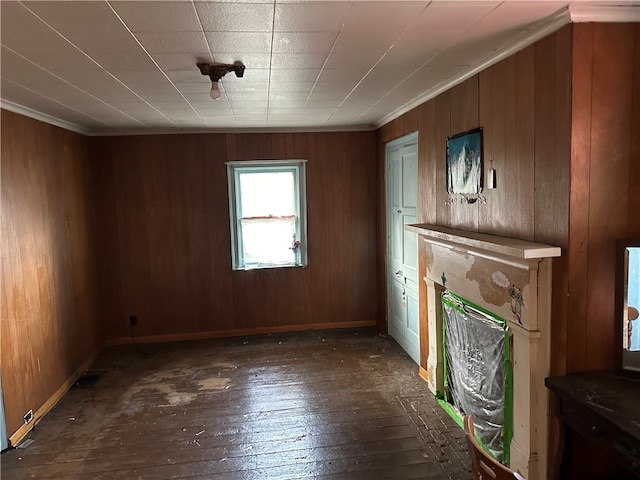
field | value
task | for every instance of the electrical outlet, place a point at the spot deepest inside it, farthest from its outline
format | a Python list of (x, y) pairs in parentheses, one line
[(133, 321), (28, 417)]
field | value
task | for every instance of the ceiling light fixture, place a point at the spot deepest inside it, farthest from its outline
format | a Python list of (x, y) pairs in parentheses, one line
[(215, 71)]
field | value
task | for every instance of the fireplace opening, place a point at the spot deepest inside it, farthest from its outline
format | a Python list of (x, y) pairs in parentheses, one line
[(478, 372)]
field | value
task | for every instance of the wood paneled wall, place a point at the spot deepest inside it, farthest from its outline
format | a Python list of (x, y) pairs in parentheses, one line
[(49, 331), (523, 105), (605, 183), (165, 243), (561, 121)]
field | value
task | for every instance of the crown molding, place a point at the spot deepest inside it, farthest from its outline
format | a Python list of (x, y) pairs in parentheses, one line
[(42, 117), (541, 30), (190, 131), (605, 13)]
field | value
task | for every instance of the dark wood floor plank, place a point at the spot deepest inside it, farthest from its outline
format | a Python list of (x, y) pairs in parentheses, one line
[(327, 405)]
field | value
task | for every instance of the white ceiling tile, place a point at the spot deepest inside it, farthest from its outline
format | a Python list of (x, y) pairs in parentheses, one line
[(44, 84), (310, 42), (238, 43), (283, 86), (192, 87), (452, 16), (285, 112), (381, 75), (310, 17), (108, 90), (414, 48), (152, 87), (247, 97), (355, 44), (362, 61), (192, 75), (25, 33), (244, 87), (180, 61), (250, 60), (287, 103), (167, 97), (331, 63), (288, 96), (158, 16), (172, 42), (341, 92), (250, 120), (111, 98), (297, 60), (193, 97), (13, 63), (344, 86), (76, 17), (316, 104), (345, 75), (90, 26), (260, 75), (212, 107), (94, 76), (178, 112), (121, 42), (108, 61), (139, 76), (388, 19), (249, 111), (248, 104), (333, 95), (294, 75), (230, 17)]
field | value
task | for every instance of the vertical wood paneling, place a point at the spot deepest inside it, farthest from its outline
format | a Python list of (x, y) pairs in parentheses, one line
[(576, 350), (523, 187), (502, 209), (442, 131), (172, 231), (48, 326), (612, 88), (427, 171), (633, 221)]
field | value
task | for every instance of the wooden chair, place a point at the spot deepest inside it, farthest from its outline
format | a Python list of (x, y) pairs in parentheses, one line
[(483, 466)]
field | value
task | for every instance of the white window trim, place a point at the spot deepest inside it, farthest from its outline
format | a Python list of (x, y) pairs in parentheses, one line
[(233, 169)]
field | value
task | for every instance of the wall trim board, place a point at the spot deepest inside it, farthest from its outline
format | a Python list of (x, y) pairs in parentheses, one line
[(52, 401), (240, 332), (423, 374)]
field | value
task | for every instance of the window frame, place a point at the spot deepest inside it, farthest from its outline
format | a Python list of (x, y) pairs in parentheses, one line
[(234, 170)]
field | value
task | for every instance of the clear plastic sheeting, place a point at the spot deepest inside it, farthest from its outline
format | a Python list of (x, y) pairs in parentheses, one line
[(475, 343)]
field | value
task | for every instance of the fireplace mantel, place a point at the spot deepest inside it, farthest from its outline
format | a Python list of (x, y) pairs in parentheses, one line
[(512, 279), (462, 239)]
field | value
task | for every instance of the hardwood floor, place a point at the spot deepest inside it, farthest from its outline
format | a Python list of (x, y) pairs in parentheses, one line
[(335, 404)]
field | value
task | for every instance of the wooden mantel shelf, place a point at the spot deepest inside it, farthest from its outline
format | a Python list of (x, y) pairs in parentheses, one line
[(493, 243)]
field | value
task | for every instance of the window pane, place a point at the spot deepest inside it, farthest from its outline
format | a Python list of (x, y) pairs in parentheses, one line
[(268, 241), (267, 193)]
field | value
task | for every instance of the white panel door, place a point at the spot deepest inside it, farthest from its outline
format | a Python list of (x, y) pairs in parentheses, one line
[(401, 170)]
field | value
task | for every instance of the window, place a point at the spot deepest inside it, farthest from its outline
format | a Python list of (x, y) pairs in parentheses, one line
[(267, 211)]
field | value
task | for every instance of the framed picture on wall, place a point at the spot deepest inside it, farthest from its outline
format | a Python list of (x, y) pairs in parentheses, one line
[(464, 163)]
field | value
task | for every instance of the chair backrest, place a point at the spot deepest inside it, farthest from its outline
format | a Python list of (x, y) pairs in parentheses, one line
[(484, 466)]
